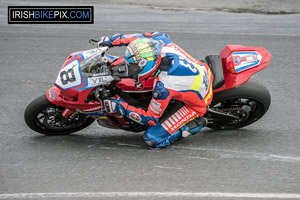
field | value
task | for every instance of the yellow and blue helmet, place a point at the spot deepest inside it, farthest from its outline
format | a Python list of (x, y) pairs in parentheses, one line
[(142, 57)]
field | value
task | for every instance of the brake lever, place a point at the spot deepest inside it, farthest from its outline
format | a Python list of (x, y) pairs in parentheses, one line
[(93, 41)]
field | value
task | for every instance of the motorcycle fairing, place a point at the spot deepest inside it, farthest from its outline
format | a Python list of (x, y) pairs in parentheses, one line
[(71, 79), (69, 76), (93, 109), (240, 63)]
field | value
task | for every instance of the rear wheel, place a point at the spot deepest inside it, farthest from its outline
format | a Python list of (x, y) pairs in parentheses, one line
[(44, 117), (248, 103)]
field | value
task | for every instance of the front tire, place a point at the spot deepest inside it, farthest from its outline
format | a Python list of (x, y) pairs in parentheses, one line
[(44, 117), (249, 102)]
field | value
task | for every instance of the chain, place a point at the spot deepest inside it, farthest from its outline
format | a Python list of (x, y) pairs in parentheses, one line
[(244, 116)]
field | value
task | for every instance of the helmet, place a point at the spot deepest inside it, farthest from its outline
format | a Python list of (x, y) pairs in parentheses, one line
[(142, 57)]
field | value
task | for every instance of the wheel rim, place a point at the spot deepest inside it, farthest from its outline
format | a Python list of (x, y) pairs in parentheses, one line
[(248, 110), (50, 118)]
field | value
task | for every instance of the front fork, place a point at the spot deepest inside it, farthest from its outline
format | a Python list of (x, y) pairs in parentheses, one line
[(57, 97), (69, 114)]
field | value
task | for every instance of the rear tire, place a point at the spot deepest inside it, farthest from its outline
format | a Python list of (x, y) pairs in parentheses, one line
[(44, 117), (252, 97)]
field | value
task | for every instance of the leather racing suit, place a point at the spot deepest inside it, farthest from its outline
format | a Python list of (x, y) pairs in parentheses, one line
[(179, 77)]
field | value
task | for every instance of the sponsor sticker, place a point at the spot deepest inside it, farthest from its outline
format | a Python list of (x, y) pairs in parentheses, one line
[(178, 119), (93, 109), (143, 63), (246, 60), (52, 94), (65, 112), (89, 53), (155, 107), (100, 80), (135, 117)]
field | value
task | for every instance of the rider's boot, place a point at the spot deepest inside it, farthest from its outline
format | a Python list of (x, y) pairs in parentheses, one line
[(194, 126)]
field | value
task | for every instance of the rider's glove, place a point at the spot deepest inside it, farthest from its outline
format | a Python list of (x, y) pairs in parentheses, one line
[(104, 41), (114, 106), (110, 41)]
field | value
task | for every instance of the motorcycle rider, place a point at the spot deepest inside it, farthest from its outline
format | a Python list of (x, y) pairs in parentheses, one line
[(178, 76)]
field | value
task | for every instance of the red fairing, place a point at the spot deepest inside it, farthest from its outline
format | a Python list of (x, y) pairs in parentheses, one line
[(128, 85), (60, 98), (230, 59)]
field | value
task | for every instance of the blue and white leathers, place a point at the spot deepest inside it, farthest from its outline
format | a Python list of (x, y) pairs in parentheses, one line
[(185, 79)]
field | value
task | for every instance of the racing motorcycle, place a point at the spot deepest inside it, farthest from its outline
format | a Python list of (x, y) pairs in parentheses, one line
[(88, 78)]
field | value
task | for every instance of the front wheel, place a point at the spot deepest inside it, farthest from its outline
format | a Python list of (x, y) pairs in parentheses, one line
[(246, 104), (44, 117)]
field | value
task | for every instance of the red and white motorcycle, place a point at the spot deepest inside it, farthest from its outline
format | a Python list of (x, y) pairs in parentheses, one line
[(89, 77)]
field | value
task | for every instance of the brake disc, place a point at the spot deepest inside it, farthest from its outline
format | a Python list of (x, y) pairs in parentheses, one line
[(51, 122)]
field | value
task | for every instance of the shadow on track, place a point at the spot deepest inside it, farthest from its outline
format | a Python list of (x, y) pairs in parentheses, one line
[(135, 141)]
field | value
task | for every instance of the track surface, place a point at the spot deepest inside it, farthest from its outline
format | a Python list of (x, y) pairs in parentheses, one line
[(262, 158)]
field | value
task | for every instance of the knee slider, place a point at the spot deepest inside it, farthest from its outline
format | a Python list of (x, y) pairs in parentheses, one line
[(149, 139)]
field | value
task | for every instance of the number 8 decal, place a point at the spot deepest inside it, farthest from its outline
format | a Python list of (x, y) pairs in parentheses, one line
[(66, 78), (69, 76)]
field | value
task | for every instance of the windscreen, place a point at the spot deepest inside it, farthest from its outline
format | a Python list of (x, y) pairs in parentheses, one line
[(93, 66)]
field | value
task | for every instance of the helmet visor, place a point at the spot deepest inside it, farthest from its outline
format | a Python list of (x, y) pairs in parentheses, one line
[(133, 68)]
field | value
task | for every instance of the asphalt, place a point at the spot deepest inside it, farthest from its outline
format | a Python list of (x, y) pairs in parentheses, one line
[(261, 158)]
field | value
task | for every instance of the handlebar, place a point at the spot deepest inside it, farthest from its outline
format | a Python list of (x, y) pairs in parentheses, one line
[(93, 40)]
